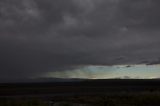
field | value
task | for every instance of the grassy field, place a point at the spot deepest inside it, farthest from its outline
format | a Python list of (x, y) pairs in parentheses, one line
[(88, 93), (122, 99)]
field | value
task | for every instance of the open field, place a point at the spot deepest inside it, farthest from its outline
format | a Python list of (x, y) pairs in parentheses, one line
[(84, 93), (141, 99)]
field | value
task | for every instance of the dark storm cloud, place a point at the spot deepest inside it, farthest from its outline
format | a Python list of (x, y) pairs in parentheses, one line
[(153, 62), (38, 36)]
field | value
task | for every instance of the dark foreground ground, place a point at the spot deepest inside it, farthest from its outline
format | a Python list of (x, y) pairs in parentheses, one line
[(83, 93)]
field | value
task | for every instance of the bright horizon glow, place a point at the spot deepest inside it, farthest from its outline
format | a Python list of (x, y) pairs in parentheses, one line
[(108, 72)]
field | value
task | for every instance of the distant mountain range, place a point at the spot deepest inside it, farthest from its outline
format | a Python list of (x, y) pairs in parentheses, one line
[(41, 80), (48, 80)]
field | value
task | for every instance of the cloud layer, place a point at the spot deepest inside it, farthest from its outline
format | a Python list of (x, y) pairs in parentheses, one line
[(38, 36)]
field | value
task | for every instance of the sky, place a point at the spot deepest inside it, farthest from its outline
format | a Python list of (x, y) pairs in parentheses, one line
[(38, 37), (110, 72)]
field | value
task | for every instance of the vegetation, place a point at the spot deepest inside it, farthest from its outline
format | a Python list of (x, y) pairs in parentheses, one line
[(122, 99), (85, 93), (22, 102)]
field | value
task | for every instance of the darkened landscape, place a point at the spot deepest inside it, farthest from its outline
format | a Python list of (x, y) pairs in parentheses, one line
[(81, 87), (113, 92), (79, 52)]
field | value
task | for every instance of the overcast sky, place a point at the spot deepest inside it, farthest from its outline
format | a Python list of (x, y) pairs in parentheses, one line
[(43, 36)]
